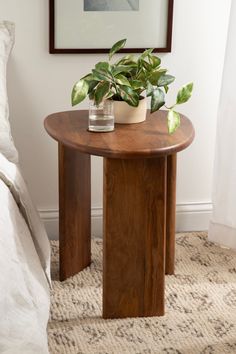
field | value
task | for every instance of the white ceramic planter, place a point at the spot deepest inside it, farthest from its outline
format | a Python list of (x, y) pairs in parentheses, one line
[(126, 114)]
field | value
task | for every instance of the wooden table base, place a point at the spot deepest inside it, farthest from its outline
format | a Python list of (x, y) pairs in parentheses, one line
[(170, 214), (139, 228), (74, 211), (139, 205), (134, 237)]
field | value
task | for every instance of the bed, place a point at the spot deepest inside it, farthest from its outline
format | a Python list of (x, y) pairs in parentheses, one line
[(24, 246)]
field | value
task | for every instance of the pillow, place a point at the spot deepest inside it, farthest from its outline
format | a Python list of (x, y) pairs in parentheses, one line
[(7, 146), (11, 175)]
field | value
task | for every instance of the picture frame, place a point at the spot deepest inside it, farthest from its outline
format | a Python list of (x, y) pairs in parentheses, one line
[(98, 29)]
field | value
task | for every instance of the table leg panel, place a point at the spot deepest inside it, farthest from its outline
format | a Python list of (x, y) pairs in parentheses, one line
[(74, 211), (134, 237), (171, 213)]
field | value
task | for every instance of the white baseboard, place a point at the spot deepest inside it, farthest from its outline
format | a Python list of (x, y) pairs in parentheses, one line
[(190, 217), (50, 218), (193, 216)]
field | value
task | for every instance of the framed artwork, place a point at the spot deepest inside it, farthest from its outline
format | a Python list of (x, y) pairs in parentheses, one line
[(93, 26)]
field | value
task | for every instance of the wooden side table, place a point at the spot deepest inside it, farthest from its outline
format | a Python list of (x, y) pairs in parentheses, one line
[(139, 206)]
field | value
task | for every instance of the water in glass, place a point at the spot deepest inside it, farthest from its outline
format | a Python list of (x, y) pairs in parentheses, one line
[(101, 117)]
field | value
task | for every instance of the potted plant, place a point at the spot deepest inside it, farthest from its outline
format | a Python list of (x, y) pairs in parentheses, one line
[(125, 82)]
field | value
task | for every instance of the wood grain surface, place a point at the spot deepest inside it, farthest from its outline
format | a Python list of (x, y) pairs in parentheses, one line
[(74, 211), (171, 214), (142, 140), (134, 237)]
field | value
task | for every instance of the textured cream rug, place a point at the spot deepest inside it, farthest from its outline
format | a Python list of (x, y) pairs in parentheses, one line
[(200, 307)]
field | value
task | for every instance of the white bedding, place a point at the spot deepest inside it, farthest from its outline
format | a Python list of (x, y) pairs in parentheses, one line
[(24, 268)]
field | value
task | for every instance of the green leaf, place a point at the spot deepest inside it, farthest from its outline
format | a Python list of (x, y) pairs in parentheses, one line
[(145, 54), (165, 80), (149, 89), (117, 46), (166, 87), (91, 95), (102, 72), (102, 66), (130, 63), (157, 100), (92, 85), (154, 61), (141, 76), (91, 82), (129, 95), (137, 84), (173, 119), (155, 75), (101, 91), (79, 92), (101, 75), (90, 77), (126, 59), (184, 93), (122, 69), (146, 65), (122, 80)]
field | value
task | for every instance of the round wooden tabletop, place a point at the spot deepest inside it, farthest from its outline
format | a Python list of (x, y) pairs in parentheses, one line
[(142, 140)]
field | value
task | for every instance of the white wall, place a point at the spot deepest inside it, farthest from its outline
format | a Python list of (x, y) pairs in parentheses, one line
[(40, 83)]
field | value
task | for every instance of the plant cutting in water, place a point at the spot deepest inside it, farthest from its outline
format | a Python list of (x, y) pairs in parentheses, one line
[(127, 79)]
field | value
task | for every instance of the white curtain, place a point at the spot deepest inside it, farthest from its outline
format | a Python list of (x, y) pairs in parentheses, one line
[(222, 227)]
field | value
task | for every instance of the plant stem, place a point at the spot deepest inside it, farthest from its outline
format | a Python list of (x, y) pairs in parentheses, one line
[(170, 107)]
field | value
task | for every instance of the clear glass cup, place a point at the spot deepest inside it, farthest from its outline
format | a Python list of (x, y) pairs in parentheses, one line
[(101, 117)]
